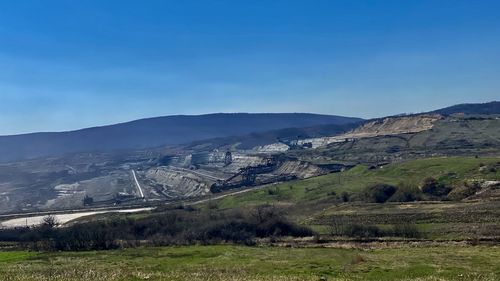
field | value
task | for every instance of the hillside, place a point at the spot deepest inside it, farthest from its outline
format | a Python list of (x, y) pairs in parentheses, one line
[(454, 171), (409, 137), (191, 169), (247, 129), (153, 132), (470, 208), (471, 108)]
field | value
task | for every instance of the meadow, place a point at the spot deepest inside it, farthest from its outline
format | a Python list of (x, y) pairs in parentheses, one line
[(226, 262)]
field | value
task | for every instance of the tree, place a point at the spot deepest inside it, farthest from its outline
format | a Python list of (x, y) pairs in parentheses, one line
[(378, 193), (434, 187), (345, 197), (406, 192), (87, 201), (338, 225), (50, 221)]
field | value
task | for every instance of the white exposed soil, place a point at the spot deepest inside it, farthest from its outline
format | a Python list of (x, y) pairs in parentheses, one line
[(383, 127), (61, 218), (275, 147), (180, 182)]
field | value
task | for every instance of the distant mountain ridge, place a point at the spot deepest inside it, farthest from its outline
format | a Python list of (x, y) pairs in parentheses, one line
[(471, 108), (151, 132), (258, 128)]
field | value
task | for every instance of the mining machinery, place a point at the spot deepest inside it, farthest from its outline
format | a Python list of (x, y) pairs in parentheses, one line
[(248, 177)]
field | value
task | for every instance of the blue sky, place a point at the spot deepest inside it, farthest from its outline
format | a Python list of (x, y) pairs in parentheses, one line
[(73, 64)]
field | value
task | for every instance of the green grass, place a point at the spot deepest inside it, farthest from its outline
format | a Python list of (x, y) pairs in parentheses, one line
[(434, 220), (307, 202), (452, 170), (258, 263), (12, 257), (314, 202)]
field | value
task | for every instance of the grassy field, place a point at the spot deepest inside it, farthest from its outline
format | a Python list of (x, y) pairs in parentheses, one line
[(435, 220), (452, 170), (257, 263)]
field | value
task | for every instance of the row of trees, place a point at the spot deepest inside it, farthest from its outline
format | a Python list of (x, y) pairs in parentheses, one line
[(175, 227), (342, 226)]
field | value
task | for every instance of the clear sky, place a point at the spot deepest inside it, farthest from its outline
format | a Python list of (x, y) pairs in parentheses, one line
[(72, 64)]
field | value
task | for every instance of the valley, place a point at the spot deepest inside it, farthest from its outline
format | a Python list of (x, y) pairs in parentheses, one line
[(365, 202), (225, 140), (172, 173)]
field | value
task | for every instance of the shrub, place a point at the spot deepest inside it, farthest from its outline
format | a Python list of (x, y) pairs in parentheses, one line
[(212, 205), (358, 259), (406, 192), (282, 227), (363, 231), (175, 227), (406, 230), (378, 193), (433, 187), (345, 197), (50, 221), (273, 191), (232, 231), (463, 191), (332, 193), (338, 225)]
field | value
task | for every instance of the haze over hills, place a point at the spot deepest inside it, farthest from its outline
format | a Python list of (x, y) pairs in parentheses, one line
[(254, 129), (249, 140), (185, 156), (471, 108), (151, 132)]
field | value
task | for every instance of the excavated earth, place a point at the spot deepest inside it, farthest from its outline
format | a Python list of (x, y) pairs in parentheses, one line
[(384, 127), (181, 172)]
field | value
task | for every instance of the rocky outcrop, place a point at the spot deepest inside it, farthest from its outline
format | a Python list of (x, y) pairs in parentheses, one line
[(300, 169), (395, 126), (275, 147), (175, 183), (241, 161), (383, 127)]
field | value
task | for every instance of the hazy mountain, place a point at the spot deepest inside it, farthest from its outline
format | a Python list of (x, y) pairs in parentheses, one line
[(252, 140), (158, 131), (471, 108)]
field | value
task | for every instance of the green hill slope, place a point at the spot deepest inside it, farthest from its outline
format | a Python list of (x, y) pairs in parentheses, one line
[(450, 170)]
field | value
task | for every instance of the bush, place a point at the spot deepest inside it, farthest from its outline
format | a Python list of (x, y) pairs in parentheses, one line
[(363, 231), (273, 191), (341, 226), (463, 191), (433, 187), (232, 231), (345, 197), (378, 193), (282, 227), (358, 259), (212, 205), (406, 230), (406, 193), (338, 225), (175, 227)]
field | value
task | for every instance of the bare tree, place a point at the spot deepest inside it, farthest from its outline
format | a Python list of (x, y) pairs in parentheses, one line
[(338, 225), (50, 221)]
